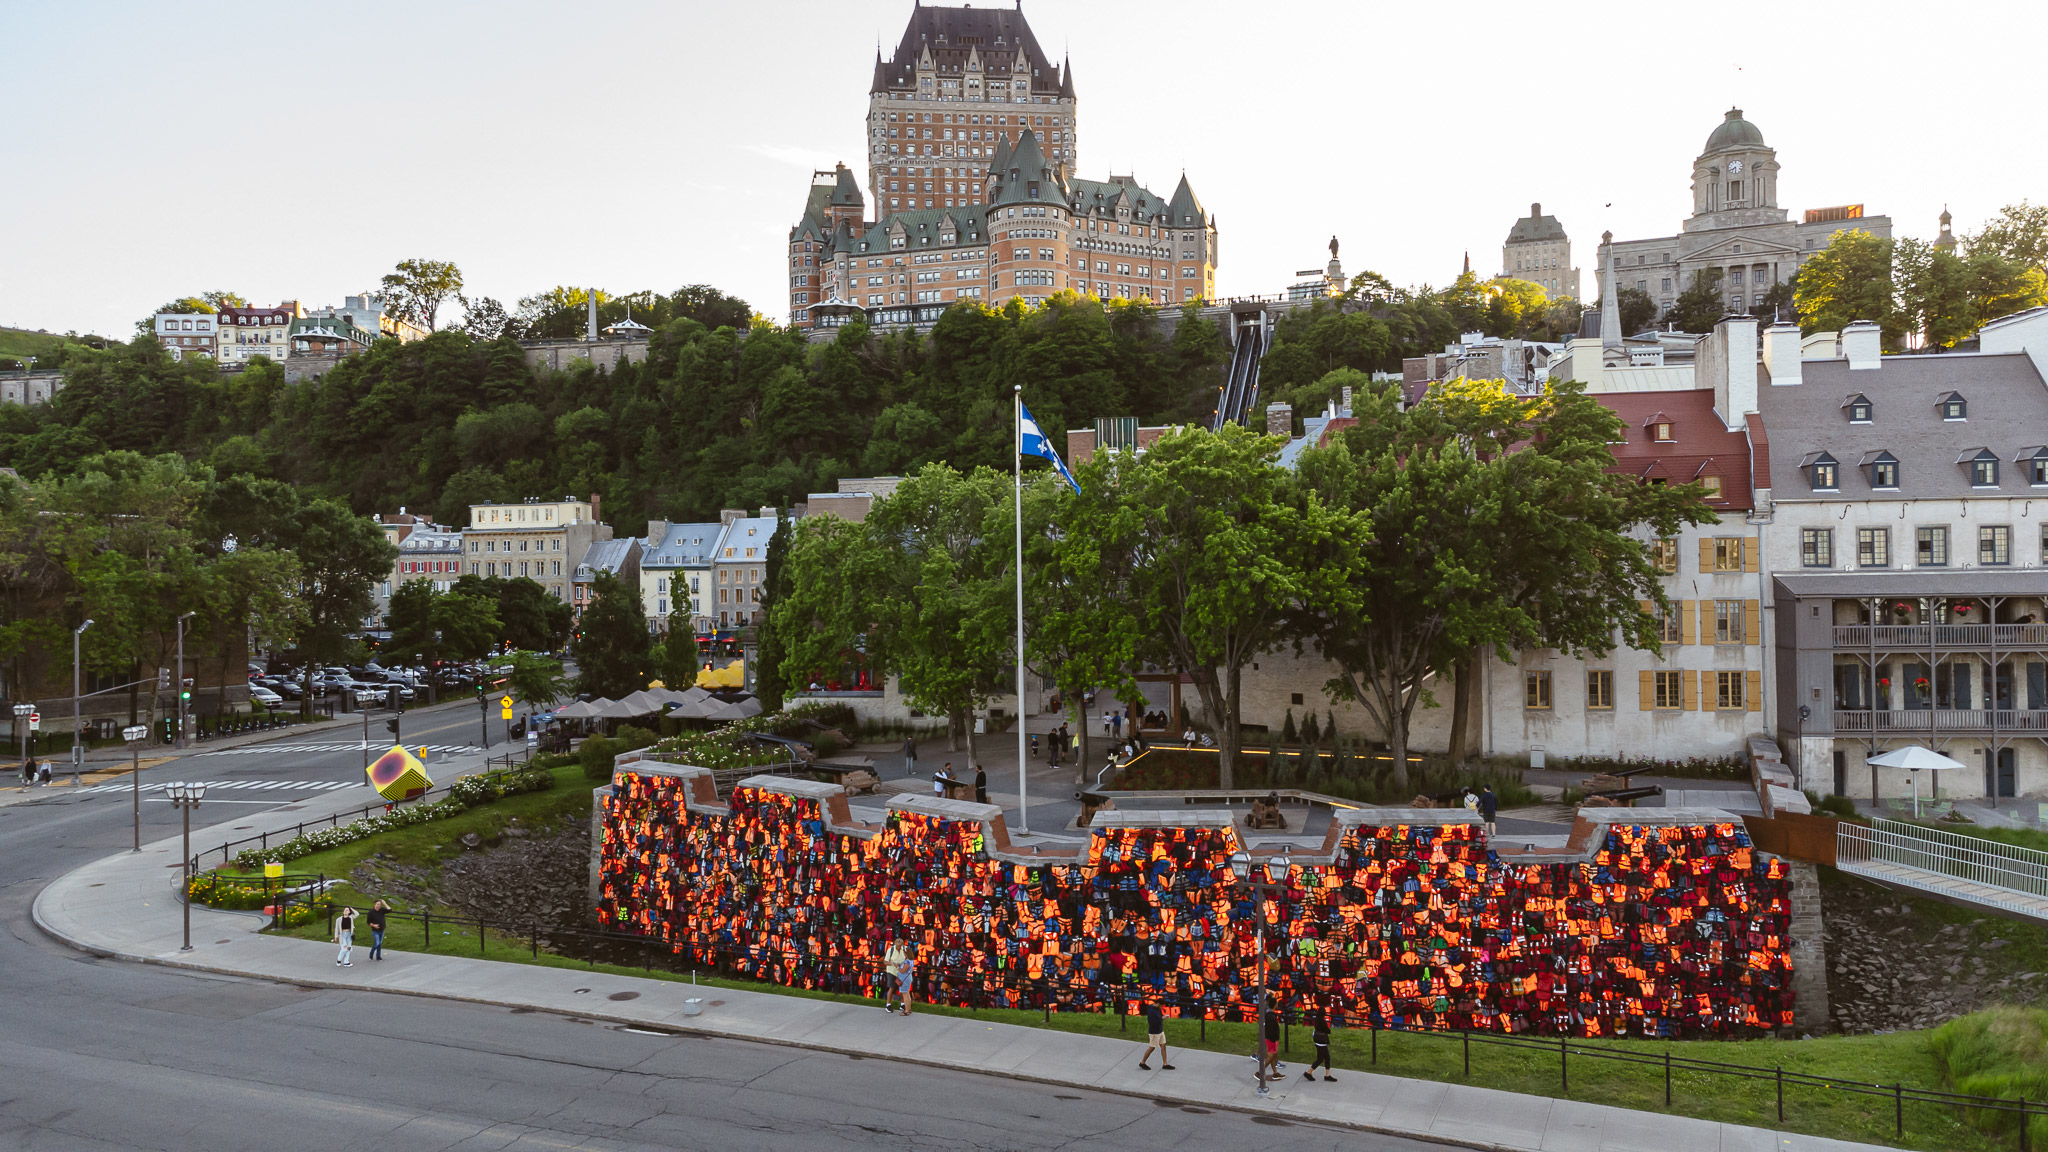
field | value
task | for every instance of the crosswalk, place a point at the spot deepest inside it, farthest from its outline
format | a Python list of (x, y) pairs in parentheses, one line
[(353, 746), (244, 785)]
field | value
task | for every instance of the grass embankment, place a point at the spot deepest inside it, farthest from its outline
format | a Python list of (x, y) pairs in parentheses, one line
[(1974, 1059), (1998, 1052)]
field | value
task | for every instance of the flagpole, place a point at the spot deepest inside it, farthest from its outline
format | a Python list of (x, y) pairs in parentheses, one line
[(1017, 477)]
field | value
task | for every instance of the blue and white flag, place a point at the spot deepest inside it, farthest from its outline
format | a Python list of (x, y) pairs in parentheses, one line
[(1032, 442)]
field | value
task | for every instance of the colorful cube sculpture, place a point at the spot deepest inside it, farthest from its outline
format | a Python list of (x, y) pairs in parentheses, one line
[(399, 775)]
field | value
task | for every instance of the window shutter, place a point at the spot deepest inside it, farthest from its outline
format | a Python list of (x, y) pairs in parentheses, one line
[(1689, 688), (1706, 554), (1688, 632), (1752, 622), (1749, 557), (1753, 690), (1646, 692)]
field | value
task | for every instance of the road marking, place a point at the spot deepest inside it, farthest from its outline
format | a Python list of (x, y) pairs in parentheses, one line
[(217, 785), (357, 746)]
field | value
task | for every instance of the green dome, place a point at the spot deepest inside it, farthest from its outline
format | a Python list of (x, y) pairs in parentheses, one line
[(1734, 132)]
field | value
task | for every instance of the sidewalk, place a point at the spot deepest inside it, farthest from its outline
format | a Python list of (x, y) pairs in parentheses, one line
[(125, 906)]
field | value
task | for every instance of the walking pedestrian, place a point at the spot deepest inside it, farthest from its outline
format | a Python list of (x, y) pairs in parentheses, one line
[(1489, 805), (1066, 740), (980, 785), (940, 777), (1052, 748), (1116, 725), (1105, 723), (1320, 1025), (1155, 1037), (1269, 1054), (345, 935), (376, 919), (909, 756)]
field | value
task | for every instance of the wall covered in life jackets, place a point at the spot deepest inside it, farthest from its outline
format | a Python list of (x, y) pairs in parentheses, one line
[(1662, 923)]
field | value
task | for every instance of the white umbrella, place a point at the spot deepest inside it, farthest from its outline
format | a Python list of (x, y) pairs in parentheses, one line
[(581, 710), (1914, 758), (644, 702), (737, 710)]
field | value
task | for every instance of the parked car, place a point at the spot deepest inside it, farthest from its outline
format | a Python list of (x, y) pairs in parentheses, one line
[(264, 696)]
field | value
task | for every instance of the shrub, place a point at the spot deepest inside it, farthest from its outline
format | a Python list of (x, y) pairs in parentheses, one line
[(1840, 807), (596, 755), (827, 744), (2000, 1051), (463, 795)]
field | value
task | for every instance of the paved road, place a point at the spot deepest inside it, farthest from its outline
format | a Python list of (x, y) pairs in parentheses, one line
[(98, 1054)]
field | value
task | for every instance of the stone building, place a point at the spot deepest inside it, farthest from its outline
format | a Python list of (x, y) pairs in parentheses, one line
[(241, 334), (542, 540), (740, 567), (619, 557), (1736, 227), (1537, 250), (675, 571), (183, 333), (972, 141)]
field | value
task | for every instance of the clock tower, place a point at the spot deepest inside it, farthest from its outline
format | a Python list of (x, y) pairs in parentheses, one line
[(1735, 179)]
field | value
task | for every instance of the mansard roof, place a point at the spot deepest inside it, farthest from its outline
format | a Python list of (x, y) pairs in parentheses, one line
[(921, 229), (994, 39), (1101, 197)]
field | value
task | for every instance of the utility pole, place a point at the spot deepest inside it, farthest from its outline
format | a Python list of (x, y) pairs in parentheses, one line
[(77, 686)]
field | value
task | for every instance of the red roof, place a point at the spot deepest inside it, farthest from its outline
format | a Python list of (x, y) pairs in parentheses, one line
[(1700, 443)]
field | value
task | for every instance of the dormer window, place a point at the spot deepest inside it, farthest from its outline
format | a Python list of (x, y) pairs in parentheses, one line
[(1983, 466), (1713, 486), (1953, 407), (2035, 461), (1859, 409), (1660, 428), (1881, 469), (1823, 472)]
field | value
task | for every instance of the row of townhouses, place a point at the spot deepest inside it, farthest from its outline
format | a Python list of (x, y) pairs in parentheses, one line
[(235, 336)]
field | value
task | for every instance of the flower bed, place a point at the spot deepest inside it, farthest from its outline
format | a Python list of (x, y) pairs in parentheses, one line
[(463, 795), (1349, 776)]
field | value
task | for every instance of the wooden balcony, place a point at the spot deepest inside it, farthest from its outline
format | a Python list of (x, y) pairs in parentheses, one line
[(1941, 720), (1925, 637)]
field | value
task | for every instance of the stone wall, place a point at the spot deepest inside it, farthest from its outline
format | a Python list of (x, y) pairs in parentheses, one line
[(1657, 923)]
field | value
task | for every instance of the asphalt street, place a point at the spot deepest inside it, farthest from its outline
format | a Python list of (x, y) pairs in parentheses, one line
[(101, 1054)]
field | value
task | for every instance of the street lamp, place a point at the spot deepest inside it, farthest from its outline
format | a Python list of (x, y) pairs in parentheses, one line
[(77, 727), (21, 714), (185, 797), (135, 734), (181, 676), (1275, 885)]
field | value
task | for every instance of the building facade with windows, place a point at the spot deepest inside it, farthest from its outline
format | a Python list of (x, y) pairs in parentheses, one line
[(242, 334), (542, 540), (739, 568), (675, 572), (1539, 251), (426, 551), (969, 111), (618, 557), (1909, 545), (186, 333), (1736, 231)]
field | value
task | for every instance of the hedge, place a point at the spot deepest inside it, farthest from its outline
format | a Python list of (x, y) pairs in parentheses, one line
[(463, 795)]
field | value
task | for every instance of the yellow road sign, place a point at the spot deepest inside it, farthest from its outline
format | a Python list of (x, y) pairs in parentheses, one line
[(506, 713), (505, 702)]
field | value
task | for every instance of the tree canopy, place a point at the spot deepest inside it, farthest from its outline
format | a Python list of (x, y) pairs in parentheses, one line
[(416, 289)]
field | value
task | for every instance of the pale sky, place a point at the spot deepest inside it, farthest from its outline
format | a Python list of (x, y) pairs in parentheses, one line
[(292, 151)]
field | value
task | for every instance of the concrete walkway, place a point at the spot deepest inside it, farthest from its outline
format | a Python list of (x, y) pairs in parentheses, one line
[(125, 906)]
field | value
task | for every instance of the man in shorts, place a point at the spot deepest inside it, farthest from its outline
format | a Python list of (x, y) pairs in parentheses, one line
[(1155, 1037)]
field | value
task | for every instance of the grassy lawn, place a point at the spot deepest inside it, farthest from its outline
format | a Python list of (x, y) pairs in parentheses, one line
[(1895, 1058)]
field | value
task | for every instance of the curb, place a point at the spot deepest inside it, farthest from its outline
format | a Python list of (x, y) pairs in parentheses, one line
[(36, 913)]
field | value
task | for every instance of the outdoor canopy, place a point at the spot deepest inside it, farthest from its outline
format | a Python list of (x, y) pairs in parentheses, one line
[(582, 709), (1914, 756)]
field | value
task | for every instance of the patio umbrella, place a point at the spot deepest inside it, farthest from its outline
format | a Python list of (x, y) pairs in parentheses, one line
[(643, 702), (737, 710), (1914, 758), (581, 710)]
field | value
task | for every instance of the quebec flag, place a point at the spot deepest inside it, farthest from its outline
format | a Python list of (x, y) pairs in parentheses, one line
[(1032, 442)]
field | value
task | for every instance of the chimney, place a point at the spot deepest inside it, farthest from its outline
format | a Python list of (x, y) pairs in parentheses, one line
[(1347, 398), (596, 507), (657, 531), (1863, 344), (1729, 365), (1781, 353), (1279, 419), (727, 515), (593, 314)]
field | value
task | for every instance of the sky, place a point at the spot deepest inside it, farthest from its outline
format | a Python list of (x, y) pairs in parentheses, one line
[(287, 151)]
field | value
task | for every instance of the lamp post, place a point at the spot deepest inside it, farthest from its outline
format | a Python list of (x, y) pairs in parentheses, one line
[(77, 686), (185, 797), (21, 714), (135, 734), (1275, 885), (181, 677)]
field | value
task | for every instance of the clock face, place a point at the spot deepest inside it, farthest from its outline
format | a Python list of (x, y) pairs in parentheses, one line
[(1735, 167)]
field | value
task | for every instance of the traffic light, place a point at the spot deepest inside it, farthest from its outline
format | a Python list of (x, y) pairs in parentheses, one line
[(184, 693), (392, 725), (163, 679)]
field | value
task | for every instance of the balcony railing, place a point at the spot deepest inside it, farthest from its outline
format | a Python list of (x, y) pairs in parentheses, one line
[(1916, 637), (1941, 720)]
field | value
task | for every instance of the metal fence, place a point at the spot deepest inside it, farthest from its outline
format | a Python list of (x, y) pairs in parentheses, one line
[(1973, 859), (941, 984)]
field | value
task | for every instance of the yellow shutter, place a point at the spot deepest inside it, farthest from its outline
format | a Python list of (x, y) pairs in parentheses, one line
[(1646, 691), (1689, 687), (1749, 557), (1752, 622), (1687, 632), (1706, 554), (1753, 691)]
